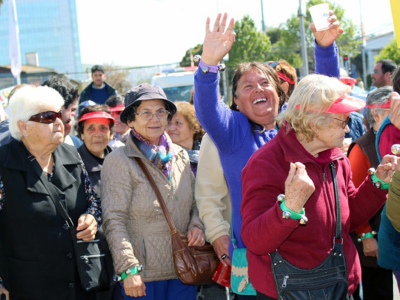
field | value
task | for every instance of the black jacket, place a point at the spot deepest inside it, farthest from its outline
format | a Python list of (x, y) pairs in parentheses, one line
[(93, 167), (87, 95), (36, 251)]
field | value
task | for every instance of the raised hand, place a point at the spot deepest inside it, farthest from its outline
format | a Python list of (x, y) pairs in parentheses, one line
[(327, 37), (298, 187), (219, 41)]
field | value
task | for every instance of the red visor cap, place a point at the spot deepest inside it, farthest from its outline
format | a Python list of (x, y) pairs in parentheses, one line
[(97, 115)]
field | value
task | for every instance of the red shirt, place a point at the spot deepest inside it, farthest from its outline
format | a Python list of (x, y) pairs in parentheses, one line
[(306, 246)]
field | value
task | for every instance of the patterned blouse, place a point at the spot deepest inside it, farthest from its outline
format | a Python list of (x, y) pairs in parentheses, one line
[(92, 199)]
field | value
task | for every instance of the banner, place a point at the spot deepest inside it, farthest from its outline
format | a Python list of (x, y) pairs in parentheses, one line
[(15, 52), (396, 19)]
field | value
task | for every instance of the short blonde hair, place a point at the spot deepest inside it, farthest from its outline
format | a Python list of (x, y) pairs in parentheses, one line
[(314, 94), (29, 101)]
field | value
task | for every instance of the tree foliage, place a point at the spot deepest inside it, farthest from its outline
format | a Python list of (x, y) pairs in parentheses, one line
[(186, 60), (390, 51), (117, 78), (250, 44), (288, 46)]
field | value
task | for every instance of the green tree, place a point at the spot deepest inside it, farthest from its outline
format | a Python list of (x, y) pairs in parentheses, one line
[(288, 46), (186, 61), (390, 51), (250, 44)]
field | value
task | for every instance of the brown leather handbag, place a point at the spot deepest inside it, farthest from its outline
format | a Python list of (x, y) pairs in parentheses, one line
[(193, 265)]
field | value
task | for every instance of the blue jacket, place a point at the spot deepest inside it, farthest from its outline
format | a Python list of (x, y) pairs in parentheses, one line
[(87, 95)]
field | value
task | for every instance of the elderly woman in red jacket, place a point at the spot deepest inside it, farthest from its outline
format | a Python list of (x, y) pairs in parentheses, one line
[(298, 233)]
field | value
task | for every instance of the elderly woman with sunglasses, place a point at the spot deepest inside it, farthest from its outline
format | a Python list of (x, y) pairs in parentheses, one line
[(301, 227), (134, 224), (36, 250), (121, 130)]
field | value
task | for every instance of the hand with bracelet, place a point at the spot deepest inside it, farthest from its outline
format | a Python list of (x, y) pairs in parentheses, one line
[(385, 170), (134, 285), (298, 187)]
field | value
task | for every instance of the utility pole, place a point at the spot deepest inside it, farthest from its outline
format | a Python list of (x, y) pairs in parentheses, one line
[(302, 11), (262, 17), (364, 44)]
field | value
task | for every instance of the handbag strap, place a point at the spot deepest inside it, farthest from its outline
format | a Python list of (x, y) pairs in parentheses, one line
[(153, 184), (338, 230), (54, 195)]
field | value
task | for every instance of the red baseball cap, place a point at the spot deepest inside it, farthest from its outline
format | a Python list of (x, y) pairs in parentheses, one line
[(97, 115)]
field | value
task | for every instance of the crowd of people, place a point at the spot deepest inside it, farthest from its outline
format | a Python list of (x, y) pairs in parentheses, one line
[(270, 182)]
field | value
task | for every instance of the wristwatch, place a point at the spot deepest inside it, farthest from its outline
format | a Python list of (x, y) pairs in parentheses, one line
[(207, 68), (131, 271)]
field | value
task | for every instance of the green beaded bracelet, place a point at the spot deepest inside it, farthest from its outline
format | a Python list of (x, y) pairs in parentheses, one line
[(379, 183), (366, 235), (293, 215)]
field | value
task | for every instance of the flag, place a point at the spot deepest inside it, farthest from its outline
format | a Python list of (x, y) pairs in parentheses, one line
[(15, 52), (396, 19)]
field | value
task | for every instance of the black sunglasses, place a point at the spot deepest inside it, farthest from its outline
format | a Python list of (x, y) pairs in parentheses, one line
[(46, 117)]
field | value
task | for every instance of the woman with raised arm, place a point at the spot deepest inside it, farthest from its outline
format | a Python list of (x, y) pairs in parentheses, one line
[(258, 95)]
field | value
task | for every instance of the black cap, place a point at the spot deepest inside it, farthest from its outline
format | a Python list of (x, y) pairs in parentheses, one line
[(145, 92), (98, 68)]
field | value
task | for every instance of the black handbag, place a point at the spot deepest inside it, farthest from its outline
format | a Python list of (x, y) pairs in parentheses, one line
[(93, 258), (327, 281)]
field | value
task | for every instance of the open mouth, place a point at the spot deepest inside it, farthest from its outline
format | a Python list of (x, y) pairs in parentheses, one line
[(259, 100)]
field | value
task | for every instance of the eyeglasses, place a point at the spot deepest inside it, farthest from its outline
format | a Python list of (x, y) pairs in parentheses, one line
[(148, 115), (377, 71), (46, 117), (344, 123)]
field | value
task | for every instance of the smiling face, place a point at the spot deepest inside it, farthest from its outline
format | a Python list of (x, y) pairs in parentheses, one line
[(150, 129), (180, 132), (96, 135), (256, 97)]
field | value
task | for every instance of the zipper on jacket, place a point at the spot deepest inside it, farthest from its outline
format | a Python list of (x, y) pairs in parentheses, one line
[(86, 257), (323, 176)]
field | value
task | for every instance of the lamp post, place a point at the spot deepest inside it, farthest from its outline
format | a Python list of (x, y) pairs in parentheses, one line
[(302, 9), (262, 17), (364, 44)]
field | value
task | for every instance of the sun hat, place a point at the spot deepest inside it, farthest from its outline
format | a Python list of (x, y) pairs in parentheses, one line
[(145, 92), (344, 104), (97, 115)]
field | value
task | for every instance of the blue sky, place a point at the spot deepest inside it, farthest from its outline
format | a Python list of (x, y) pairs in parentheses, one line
[(151, 32)]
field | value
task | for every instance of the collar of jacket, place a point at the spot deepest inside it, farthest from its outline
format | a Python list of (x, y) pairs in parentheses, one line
[(19, 158), (91, 164), (131, 150), (295, 152)]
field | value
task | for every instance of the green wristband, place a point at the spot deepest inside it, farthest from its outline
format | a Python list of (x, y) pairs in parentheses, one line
[(293, 215), (366, 235), (379, 183), (131, 271)]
